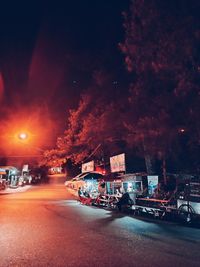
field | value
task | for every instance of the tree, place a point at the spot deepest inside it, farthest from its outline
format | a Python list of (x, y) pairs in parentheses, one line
[(162, 40), (51, 158), (97, 122)]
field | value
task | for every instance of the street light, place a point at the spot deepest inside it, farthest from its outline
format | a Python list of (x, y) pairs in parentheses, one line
[(22, 136)]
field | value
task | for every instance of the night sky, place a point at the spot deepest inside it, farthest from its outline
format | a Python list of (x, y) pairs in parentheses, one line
[(48, 55)]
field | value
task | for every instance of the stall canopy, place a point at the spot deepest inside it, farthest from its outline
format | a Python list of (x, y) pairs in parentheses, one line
[(9, 169), (2, 172)]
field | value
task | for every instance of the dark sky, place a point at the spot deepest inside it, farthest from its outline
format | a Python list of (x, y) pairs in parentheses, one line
[(49, 52)]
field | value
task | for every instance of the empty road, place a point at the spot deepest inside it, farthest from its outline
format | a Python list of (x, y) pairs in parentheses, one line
[(46, 226)]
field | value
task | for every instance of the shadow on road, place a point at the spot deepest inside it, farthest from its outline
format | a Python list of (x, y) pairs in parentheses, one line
[(110, 217)]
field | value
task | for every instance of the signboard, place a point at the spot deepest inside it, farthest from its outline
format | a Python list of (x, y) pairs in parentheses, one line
[(88, 166), (117, 163), (152, 184), (25, 168), (2, 171)]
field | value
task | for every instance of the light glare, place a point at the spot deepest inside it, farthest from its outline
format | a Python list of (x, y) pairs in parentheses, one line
[(23, 136)]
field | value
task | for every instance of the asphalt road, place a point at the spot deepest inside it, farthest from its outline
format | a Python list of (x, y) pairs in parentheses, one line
[(45, 226)]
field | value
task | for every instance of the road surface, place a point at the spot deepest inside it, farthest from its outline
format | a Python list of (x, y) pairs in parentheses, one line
[(45, 226)]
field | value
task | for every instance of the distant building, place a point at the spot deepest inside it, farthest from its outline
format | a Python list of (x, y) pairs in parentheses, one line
[(55, 170)]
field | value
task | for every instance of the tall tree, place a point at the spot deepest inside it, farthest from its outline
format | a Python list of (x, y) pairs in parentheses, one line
[(96, 123), (161, 47)]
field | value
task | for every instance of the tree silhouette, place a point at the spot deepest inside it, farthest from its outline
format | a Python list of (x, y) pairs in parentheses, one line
[(161, 51)]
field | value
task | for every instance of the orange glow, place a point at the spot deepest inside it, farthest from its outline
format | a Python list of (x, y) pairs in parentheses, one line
[(26, 132), (1, 86)]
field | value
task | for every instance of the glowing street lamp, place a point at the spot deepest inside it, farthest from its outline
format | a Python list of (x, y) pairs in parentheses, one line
[(182, 130), (23, 136)]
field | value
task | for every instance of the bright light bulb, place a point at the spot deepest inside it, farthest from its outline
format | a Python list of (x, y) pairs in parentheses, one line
[(23, 136)]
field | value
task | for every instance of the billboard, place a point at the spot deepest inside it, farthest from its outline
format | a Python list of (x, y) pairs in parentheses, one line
[(117, 163), (88, 166), (25, 168)]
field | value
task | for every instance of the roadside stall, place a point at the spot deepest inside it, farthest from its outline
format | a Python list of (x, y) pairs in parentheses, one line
[(2, 179), (87, 181), (188, 202), (11, 177), (108, 193), (132, 183), (143, 193), (113, 187), (91, 186)]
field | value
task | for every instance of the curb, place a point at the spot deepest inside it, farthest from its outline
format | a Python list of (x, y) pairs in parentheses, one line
[(12, 190)]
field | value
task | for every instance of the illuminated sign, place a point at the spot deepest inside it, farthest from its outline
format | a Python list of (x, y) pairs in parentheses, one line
[(117, 163), (152, 184), (25, 168), (88, 166)]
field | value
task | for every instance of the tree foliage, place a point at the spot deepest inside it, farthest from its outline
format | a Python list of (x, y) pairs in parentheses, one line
[(97, 122), (161, 50), (159, 117)]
